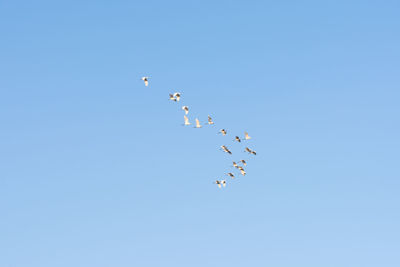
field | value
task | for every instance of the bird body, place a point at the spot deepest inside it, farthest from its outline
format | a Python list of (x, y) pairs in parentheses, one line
[(186, 109), (186, 120), (224, 148), (198, 125), (146, 80), (231, 175), (177, 96), (171, 97), (210, 120), (223, 131)]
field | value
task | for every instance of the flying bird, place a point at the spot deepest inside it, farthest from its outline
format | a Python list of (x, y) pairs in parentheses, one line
[(246, 136), (248, 150), (186, 120), (198, 125), (171, 97), (223, 131), (223, 182), (210, 120), (186, 109), (242, 172), (177, 96), (234, 164), (253, 152), (218, 183), (224, 148), (243, 161), (146, 80), (237, 139), (231, 175)]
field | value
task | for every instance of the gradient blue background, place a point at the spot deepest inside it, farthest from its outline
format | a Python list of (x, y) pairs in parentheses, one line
[(96, 169)]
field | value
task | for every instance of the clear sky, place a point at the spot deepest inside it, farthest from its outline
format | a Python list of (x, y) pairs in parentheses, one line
[(96, 169)]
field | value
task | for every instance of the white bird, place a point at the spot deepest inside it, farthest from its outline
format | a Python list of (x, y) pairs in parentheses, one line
[(237, 139), (243, 161), (177, 96), (198, 125), (171, 97), (186, 109), (231, 175), (246, 136), (146, 80), (224, 148), (223, 182), (210, 120), (186, 120), (223, 131)]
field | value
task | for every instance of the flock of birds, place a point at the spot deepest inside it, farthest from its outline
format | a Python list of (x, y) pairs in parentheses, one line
[(239, 165)]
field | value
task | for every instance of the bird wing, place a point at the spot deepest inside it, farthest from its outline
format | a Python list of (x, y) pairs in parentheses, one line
[(246, 136)]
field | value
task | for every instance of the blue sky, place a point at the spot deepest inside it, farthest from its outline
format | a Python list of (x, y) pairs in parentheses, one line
[(96, 169)]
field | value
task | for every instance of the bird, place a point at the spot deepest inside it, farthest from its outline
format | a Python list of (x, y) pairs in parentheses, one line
[(210, 120), (223, 131), (177, 96), (223, 182), (248, 150), (243, 161), (224, 148), (171, 97), (146, 80), (231, 175), (246, 136), (218, 183), (253, 152), (237, 139), (186, 109), (198, 125), (186, 120), (242, 172), (234, 164)]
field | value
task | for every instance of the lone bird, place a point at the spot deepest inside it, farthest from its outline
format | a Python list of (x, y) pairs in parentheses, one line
[(224, 148), (186, 109), (177, 96), (146, 80), (237, 139), (243, 161), (223, 131), (231, 175), (198, 125), (248, 150), (186, 120), (246, 136), (210, 120)]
